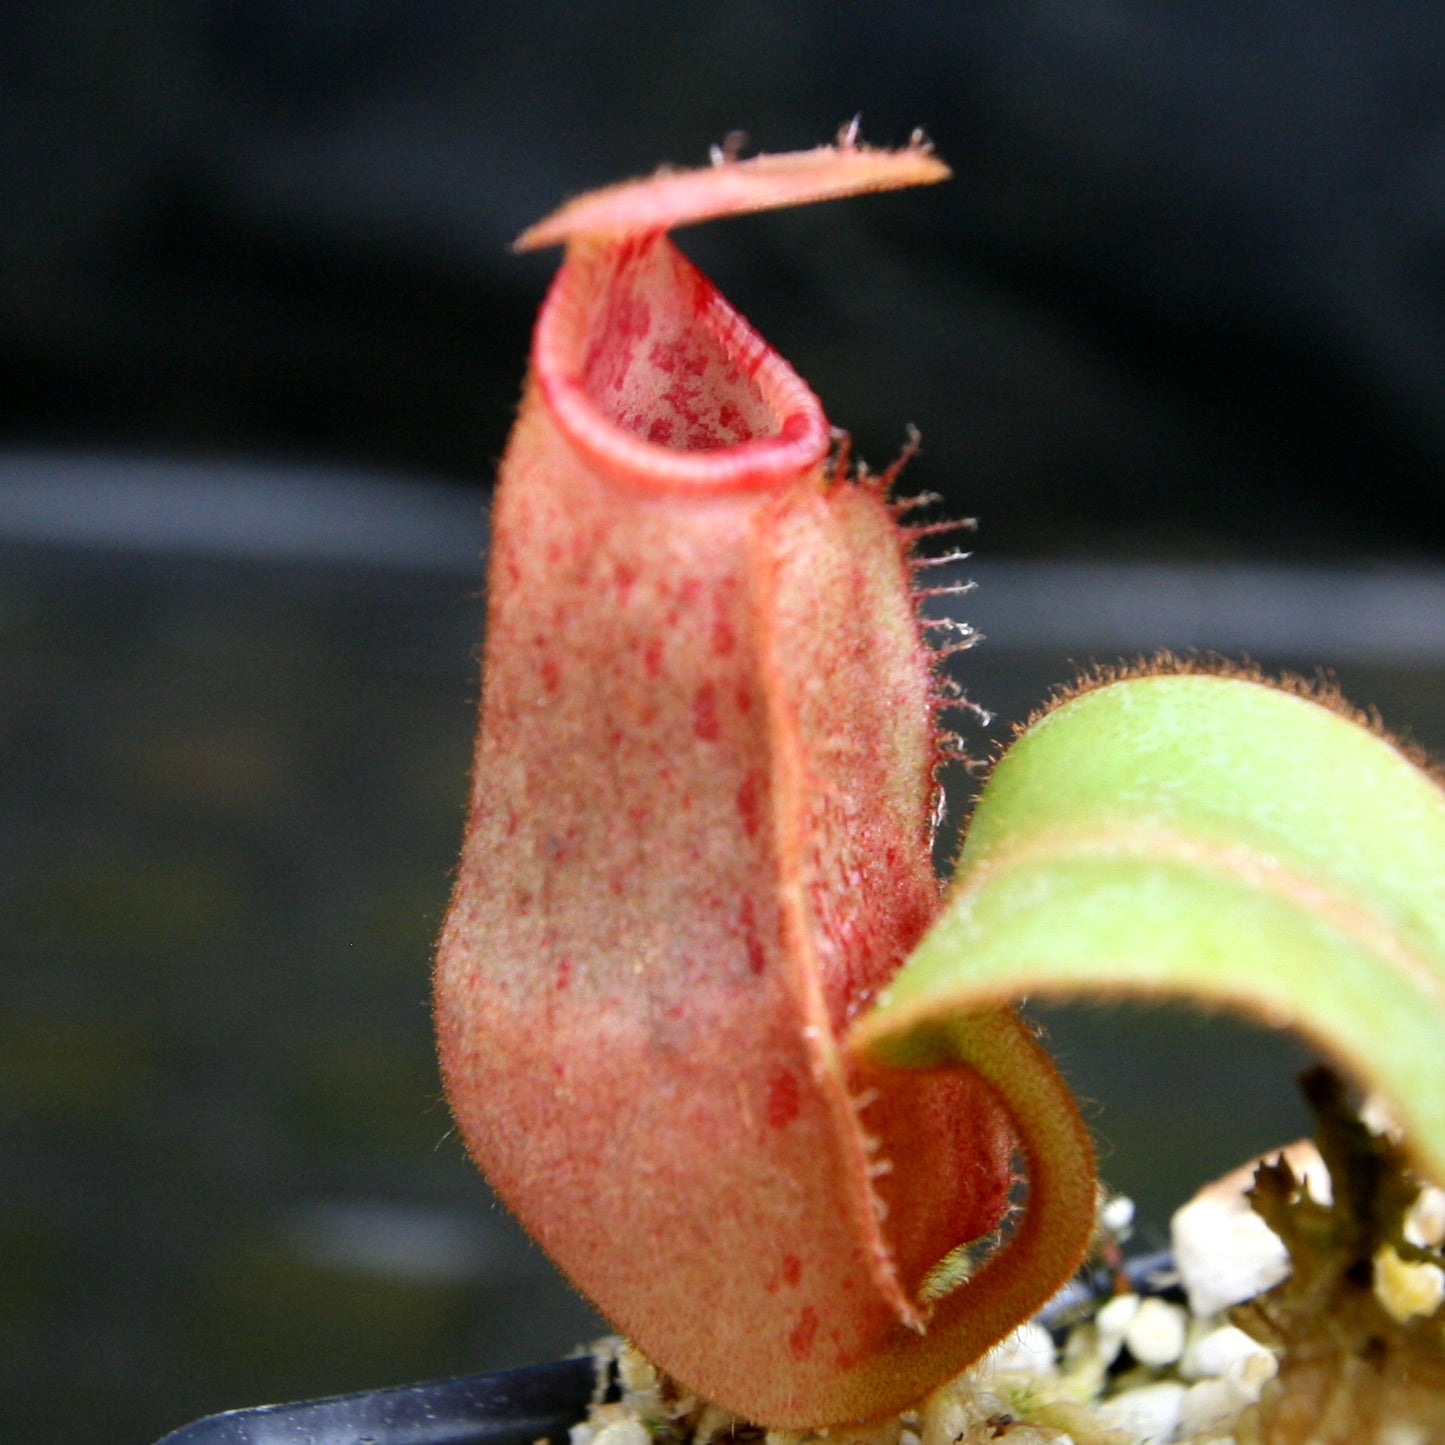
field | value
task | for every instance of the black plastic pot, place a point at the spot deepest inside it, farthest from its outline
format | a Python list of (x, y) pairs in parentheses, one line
[(511, 1407), (519, 1407)]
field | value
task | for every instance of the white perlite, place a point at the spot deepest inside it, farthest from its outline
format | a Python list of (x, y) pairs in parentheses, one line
[(1139, 1370), (1214, 1349), (1224, 1252), (1131, 1370), (1028, 1351), (1155, 1336), (1149, 1414)]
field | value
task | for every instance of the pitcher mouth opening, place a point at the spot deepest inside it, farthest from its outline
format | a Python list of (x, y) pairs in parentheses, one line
[(657, 381)]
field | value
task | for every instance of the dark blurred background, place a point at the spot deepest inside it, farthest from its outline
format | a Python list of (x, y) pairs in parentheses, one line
[(1179, 319), (1187, 291)]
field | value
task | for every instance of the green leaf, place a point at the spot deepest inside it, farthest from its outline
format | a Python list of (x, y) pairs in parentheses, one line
[(1206, 837)]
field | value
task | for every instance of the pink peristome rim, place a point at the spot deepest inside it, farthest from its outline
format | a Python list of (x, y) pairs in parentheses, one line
[(800, 443)]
